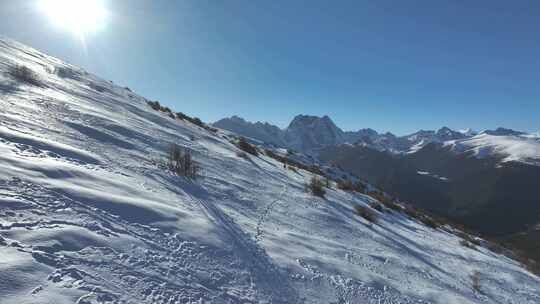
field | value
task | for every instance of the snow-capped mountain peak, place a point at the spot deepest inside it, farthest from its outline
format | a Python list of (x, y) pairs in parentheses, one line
[(468, 132)]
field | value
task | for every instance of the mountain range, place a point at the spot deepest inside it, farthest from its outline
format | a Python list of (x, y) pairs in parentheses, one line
[(312, 134)]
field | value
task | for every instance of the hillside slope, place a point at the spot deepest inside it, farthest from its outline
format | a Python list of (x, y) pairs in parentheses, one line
[(492, 195), (87, 216)]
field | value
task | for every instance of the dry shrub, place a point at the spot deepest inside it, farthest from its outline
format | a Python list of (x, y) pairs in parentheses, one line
[(180, 161), (345, 185), (293, 169), (475, 281), (327, 183), (386, 201), (242, 154), (66, 72), (366, 213), (316, 186), (247, 147), (24, 74), (467, 244), (376, 206)]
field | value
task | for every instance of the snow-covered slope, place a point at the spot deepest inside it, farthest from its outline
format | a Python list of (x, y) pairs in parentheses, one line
[(86, 215), (513, 146)]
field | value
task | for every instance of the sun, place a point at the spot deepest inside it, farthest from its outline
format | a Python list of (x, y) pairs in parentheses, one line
[(78, 16)]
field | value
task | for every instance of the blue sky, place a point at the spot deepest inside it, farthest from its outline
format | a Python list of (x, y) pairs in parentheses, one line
[(394, 66)]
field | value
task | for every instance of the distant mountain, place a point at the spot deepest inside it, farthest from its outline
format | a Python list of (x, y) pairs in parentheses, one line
[(468, 132), (311, 134), (261, 131), (503, 131), (305, 133)]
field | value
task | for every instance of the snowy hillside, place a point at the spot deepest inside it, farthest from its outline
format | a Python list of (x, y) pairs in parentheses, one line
[(511, 147), (87, 216)]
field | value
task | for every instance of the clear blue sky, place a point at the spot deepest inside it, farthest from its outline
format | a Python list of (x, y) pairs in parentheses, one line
[(393, 66)]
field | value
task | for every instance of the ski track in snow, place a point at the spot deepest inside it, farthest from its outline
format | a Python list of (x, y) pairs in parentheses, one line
[(87, 215)]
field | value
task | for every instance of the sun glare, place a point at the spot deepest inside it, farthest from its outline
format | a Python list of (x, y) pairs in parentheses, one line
[(78, 16)]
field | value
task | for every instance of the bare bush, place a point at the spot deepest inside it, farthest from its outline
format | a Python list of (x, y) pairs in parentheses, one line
[(474, 241), (385, 200), (242, 154), (377, 206), (247, 147), (327, 182), (475, 281), (366, 213), (180, 161), (467, 244), (429, 221), (316, 186), (155, 105), (345, 184), (66, 72), (24, 74), (359, 187)]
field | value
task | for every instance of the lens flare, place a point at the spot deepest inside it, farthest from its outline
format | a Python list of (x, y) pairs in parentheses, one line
[(78, 16)]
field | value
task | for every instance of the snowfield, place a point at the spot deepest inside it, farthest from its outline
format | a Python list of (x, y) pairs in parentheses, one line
[(521, 148), (86, 215)]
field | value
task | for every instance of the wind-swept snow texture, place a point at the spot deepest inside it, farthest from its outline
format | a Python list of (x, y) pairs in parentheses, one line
[(522, 148), (86, 215)]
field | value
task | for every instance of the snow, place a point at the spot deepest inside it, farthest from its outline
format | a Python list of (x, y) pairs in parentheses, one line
[(523, 148), (86, 215), (426, 173), (467, 132)]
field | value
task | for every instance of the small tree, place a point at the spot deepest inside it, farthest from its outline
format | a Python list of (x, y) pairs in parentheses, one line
[(180, 161), (316, 186)]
